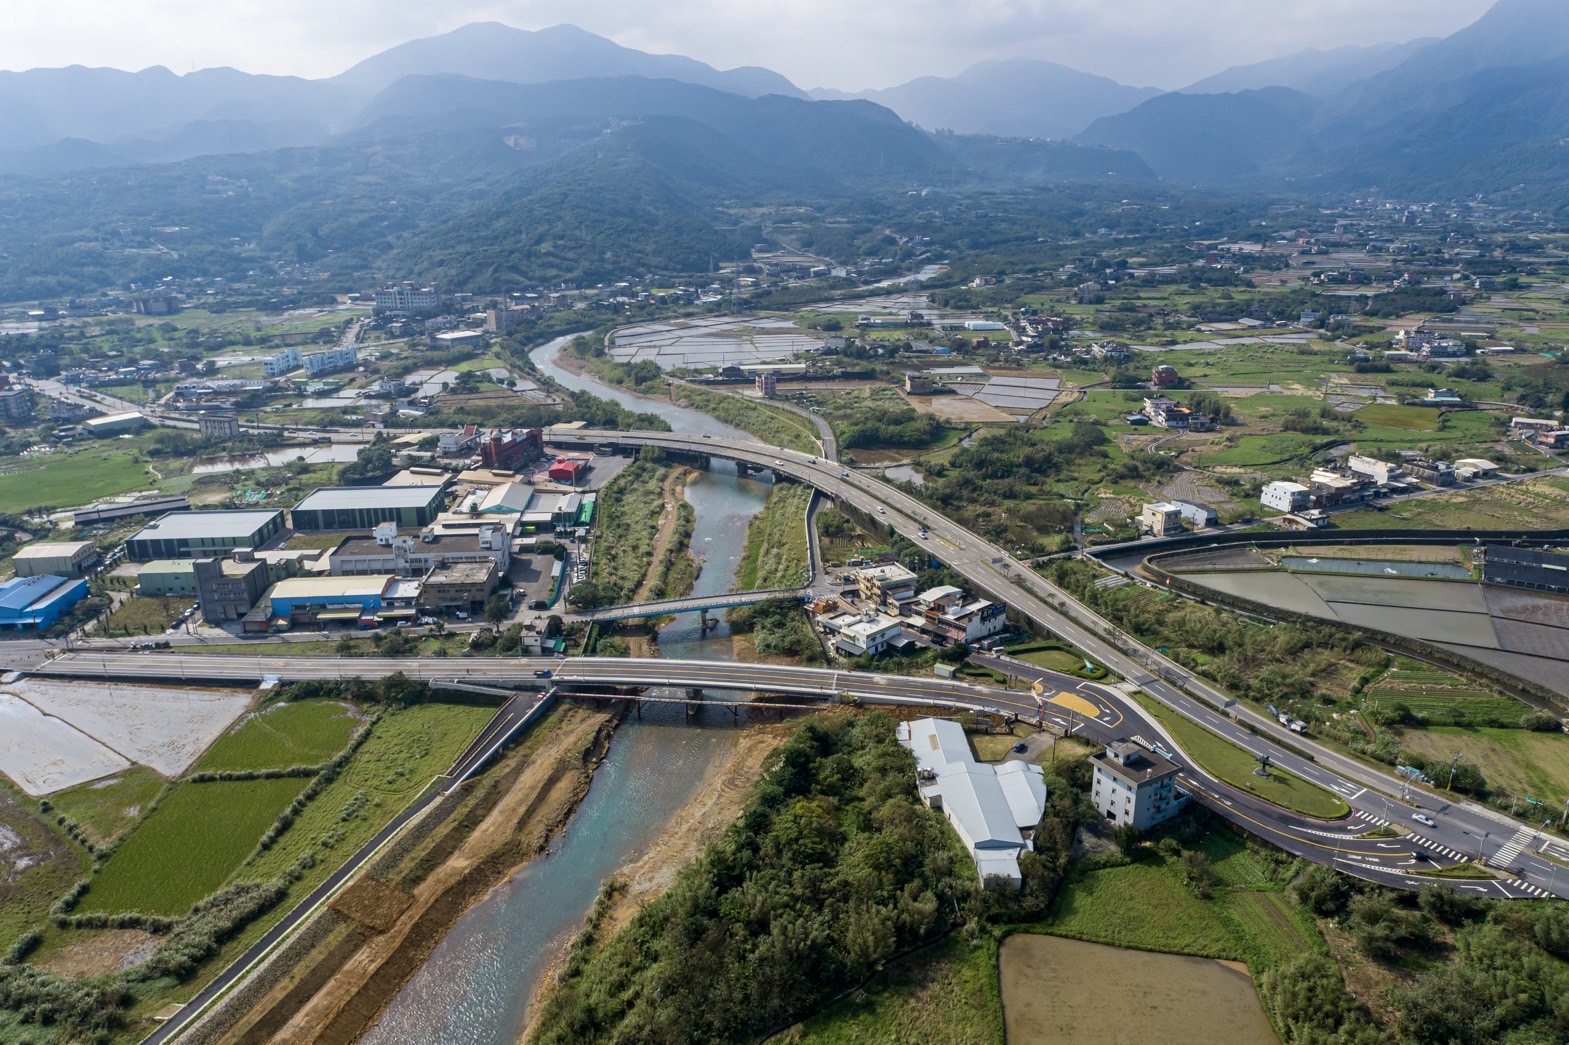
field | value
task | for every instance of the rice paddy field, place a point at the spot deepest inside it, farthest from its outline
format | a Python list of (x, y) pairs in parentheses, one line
[(283, 735), (188, 846)]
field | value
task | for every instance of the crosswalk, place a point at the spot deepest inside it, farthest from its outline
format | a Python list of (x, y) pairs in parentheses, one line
[(1514, 847), (1511, 849)]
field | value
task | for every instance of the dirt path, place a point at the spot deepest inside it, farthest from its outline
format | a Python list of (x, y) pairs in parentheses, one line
[(716, 804), (674, 494), (545, 788)]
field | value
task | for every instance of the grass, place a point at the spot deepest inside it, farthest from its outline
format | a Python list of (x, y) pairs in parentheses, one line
[(1056, 657), (140, 615), (404, 751), (108, 807), (283, 735), (1235, 766), (776, 549), (1534, 504), (1514, 761), (773, 426), (947, 994), (1408, 418), (64, 480), (189, 845), (1143, 906), (26, 893), (628, 521)]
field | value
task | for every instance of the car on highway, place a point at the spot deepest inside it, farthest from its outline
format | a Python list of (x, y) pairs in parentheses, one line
[(1417, 854), (844, 475), (1423, 818), (882, 511), (542, 673)]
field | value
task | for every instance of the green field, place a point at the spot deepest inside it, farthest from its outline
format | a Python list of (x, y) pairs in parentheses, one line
[(1144, 906), (144, 616), (1409, 418), (189, 845), (947, 994), (1533, 504), (1514, 761), (405, 751), (1235, 766), (107, 807), (776, 552), (1056, 657), (283, 735), (39, 864), (66, 480)]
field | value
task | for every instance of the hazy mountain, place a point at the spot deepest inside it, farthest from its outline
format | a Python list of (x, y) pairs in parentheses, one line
[(492, 51), (43, 106), (1019, 97), (1512, 33), (1213, 138), (1312, 71)]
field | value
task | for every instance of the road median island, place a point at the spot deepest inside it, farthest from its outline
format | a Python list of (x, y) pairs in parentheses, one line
[(1229, 763)]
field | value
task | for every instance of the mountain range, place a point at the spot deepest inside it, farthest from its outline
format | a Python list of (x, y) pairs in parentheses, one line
[(1337, 119)]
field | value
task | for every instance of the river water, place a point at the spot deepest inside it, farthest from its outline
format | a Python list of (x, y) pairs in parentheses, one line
[(478, 985)]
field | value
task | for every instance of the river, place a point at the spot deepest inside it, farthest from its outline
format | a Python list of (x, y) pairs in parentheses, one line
[(478, 984)]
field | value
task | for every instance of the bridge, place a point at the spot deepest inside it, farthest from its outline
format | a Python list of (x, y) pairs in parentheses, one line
[(703, 604)]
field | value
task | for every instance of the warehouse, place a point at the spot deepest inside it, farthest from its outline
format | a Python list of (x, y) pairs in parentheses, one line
[(363, 507), (114, 424), (1526, 568), (994, 809), (38, 602), (190, 535), (334, 599), (55, 558), (167, 577)]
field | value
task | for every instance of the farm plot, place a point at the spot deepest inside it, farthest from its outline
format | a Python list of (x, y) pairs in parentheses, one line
[(1436, 696), (189, 845), (44, 754), (163, 728), (283, 735)]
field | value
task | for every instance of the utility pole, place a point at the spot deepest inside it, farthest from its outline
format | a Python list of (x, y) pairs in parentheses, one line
[(1452, 767)]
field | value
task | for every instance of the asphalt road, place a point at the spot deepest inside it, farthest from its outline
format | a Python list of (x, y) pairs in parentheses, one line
[(1460, 826)]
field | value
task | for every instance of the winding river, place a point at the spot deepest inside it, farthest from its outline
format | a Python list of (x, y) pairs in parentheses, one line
[(479, 983)]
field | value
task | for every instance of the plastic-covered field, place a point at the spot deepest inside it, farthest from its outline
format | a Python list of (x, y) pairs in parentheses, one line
[(54, 735)]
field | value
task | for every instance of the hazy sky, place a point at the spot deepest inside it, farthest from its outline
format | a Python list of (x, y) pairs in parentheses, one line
[(849, 44)]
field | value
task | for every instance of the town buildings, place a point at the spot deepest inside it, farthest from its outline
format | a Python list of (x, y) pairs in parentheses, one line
[(1161, 520), (280, 363), (1285, 496), (217, 425), (892, 586), (329, 360), (407, 297)]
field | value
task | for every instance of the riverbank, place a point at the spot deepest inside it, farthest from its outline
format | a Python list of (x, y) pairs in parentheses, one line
[(387, 927), (718, 801)]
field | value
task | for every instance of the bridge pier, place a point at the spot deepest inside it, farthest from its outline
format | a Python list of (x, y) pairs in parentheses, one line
[(694, 701), (706, 622)]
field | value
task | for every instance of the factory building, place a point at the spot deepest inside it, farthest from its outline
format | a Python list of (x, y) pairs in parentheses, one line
[(38, 602), (189, 535), (55, 558), (365, 507)]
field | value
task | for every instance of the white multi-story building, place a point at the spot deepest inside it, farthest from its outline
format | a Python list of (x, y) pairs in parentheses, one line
[(1133, 785), (325, 362), (1381, 472), (408, 297), (280, 363), (1286, 497)]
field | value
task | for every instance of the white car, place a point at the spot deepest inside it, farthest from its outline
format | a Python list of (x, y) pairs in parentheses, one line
[(1423, 818), (882, 511)]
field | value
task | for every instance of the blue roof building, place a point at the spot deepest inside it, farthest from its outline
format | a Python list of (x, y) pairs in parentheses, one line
[(37, 602)]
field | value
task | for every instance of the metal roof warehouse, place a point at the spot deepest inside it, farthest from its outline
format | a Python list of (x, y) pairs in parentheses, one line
[(362, 507)]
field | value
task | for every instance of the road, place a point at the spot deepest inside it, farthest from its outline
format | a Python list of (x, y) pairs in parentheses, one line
[(1459, 825), (1101, 712)]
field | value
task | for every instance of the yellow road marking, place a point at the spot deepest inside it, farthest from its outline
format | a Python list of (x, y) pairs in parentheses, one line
[(1076, 704)]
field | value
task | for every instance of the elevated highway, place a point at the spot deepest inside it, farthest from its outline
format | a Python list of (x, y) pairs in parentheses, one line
[(696, 604)]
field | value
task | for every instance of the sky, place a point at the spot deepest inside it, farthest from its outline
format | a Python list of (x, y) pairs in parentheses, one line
[(846, 44)]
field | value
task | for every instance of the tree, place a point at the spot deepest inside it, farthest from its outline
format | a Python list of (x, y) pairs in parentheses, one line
[(497, 608)]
